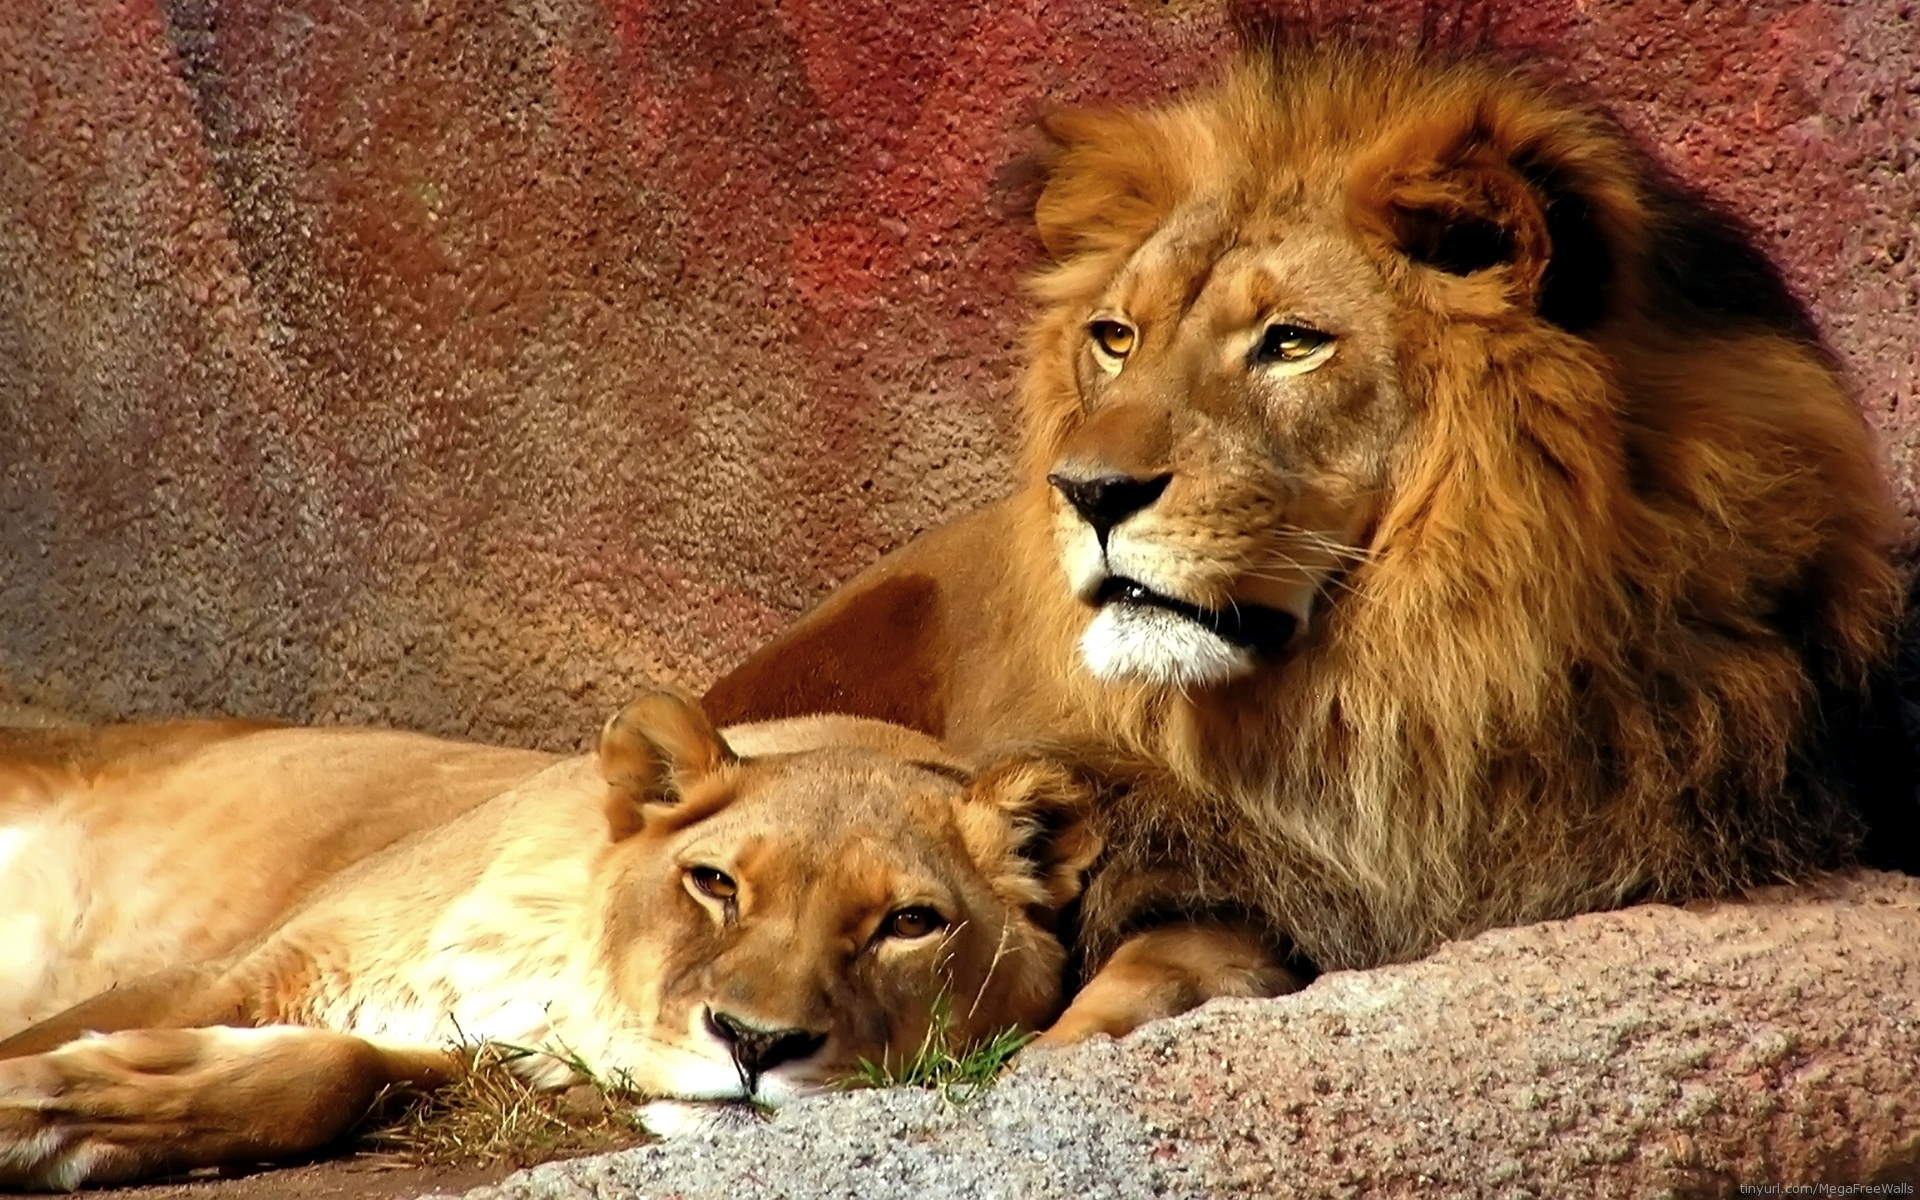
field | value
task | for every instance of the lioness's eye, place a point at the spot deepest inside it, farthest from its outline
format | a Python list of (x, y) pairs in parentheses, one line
[(711, 882), (1288, 343), (915, 922), (1114, 337)]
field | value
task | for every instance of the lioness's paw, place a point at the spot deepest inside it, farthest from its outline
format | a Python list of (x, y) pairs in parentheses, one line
[(57, 1112), (56, 1160), (107, 1108)]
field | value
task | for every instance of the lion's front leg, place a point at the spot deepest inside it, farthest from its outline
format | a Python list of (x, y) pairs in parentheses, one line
[(122, 1106), (1166, 971)]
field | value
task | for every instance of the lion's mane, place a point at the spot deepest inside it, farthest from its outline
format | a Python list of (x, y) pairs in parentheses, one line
[(1611, 630), (1608, 630)]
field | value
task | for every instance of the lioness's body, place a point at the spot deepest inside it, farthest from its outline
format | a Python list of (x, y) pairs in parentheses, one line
[(1428, 518), (195, 839), (694, 917)]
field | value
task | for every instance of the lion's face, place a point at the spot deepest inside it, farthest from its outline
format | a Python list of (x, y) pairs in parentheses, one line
[(771, 922), (1233, 408), (1266, 309)]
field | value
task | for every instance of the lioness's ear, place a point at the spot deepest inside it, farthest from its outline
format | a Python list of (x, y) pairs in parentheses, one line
[(1048, 811), (651, 751)]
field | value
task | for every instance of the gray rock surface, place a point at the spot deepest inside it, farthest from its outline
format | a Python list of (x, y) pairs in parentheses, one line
[(1650, 1052)]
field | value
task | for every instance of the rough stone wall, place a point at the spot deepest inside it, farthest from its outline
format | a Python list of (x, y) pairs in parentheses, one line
[(457, 363)]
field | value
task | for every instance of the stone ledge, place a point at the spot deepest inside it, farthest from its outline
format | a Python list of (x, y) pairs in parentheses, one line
[(1650, 1052)]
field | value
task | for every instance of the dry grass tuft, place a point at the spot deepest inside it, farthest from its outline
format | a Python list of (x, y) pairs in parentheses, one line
[(490, 1116)]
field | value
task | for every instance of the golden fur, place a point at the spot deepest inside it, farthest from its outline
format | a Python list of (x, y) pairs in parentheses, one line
[(698, 924), (1579, 539)]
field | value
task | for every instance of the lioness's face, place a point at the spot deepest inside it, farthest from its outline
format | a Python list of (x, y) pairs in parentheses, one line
[(1223, 410), (775, 921)]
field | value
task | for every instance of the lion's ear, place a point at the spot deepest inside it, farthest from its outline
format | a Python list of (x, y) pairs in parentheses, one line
[(651, 751), (1048, 809), (1539, 214), (1111, 177), (1469, 218)]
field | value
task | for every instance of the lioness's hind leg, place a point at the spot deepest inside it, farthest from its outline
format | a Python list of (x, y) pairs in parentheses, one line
[(124, 1106), (1163, 973)]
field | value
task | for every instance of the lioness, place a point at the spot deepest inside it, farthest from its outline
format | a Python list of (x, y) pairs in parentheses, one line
[(282, 922), (1429, 519)]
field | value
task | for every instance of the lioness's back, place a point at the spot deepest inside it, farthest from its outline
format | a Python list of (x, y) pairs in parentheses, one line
[(128, 848)]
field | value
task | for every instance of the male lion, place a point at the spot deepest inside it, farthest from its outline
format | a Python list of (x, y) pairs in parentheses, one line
[(1429, 518), (698, 924)]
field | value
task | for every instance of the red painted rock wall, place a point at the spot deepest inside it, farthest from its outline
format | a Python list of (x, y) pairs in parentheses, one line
[(458, 363)]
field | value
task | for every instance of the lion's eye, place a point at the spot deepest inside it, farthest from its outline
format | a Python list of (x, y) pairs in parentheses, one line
[(1113, 337), (915, 922), (1289, 344), (709, 881)]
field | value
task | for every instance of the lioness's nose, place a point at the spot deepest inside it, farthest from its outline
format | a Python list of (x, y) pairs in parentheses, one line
[(1104, 501), (756, 1049)]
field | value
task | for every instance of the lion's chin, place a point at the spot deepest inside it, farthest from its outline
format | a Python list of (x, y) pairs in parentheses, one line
[(1143, 636), (1144, 644)]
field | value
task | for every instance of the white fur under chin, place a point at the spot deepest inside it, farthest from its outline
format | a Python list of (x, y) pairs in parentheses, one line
[(678, 1118), (1151, 645)]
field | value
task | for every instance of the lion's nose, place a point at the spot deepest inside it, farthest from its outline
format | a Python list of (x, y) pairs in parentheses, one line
[(1106, 500), (756, 1049)]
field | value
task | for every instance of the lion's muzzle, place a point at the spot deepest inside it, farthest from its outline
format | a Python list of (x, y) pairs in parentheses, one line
[(1104, 501), (1144, 627), (1256, 628)]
